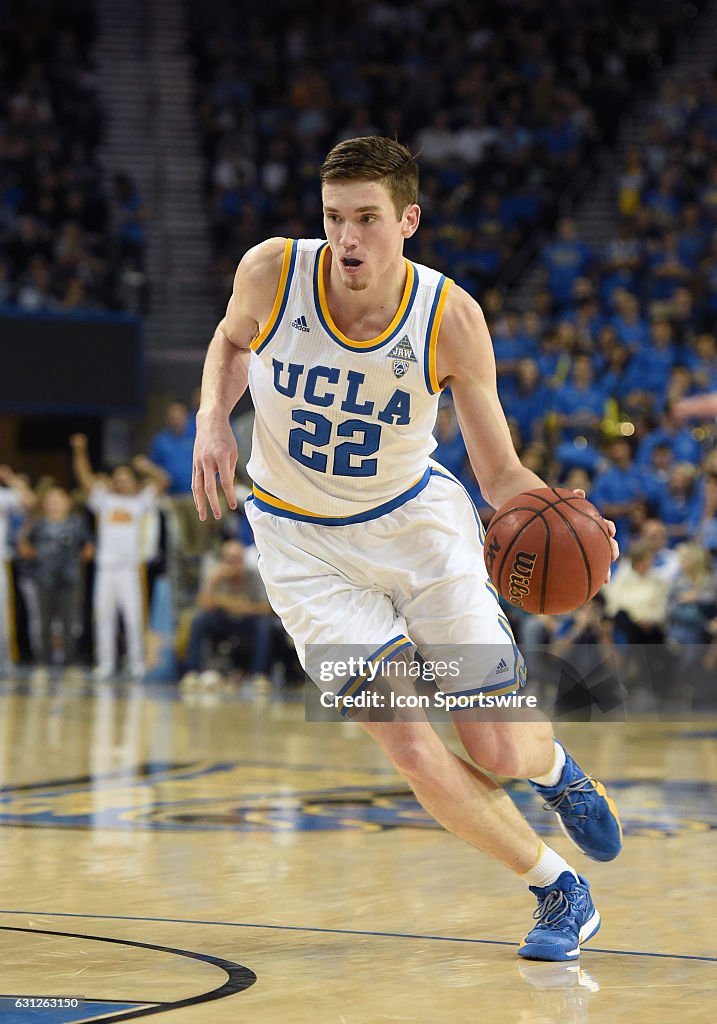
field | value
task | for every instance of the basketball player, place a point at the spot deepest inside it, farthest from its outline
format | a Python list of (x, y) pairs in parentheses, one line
[(15, 496), (120, 509), (362, 539)]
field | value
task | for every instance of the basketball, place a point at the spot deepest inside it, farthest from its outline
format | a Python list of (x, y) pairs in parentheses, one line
[(547, 551)]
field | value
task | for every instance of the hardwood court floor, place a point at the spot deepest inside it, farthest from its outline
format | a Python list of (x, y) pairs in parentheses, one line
[(213, 860)]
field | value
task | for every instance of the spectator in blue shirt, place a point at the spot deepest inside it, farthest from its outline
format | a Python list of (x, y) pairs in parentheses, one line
[(631, 326), (527, 403), (172, 448), (579, 405), (649, 371), (681, 506), (667, 268), (685, 447), (618, 486), (701, 358), (657, 473), (565, 260)]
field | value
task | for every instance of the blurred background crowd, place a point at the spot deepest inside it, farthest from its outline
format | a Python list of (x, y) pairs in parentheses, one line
[(533, 120)]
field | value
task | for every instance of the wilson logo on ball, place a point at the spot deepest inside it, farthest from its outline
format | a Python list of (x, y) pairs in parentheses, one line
[(520, 577)]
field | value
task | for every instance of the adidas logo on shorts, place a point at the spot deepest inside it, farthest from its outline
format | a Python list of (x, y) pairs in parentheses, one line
[(300, 324), (502, 667)]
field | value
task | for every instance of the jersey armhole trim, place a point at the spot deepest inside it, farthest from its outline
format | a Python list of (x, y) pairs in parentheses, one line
[(432, 331), (288, 266)]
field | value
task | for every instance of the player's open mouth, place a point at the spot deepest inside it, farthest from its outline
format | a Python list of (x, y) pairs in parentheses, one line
[(349, 263)]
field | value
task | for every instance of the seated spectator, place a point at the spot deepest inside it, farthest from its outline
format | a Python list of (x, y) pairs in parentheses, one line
[(666, 562), (707, 531), (565, 260), (629, 323), (527, 402), (648, 373), (692, 622), (618, 486), (56, 543), (636, 598), (692, 599), (685, 448), (579, 406), (680, 506), (232, 604)]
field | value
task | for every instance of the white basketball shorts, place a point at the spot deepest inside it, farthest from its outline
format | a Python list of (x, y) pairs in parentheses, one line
[(413, 578)]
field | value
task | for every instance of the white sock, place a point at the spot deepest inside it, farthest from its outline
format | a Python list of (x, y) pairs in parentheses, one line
[(547, 868), (552, 778)]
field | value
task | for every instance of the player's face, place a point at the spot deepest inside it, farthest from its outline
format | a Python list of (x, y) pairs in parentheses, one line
[(362, 228)]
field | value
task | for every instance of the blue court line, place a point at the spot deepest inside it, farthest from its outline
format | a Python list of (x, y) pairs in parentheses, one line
[(345, 931)]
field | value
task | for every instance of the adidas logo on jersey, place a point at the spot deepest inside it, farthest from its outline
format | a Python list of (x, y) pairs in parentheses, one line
[(300, 324), (402, 355), (502, 667)]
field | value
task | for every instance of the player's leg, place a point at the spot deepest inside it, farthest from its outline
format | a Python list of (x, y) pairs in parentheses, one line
[(319, 597), (453, 607), (476, 809)]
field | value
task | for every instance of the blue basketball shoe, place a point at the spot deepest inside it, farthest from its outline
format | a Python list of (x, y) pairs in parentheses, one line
[(566, 917), (586, 814)]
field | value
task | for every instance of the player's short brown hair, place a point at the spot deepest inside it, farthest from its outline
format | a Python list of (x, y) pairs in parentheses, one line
[(375, 158)]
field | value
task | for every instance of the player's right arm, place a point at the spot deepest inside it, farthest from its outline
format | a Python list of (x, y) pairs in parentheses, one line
[(226, 373)]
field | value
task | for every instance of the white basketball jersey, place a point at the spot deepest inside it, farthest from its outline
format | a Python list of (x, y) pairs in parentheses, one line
[(343, 428)]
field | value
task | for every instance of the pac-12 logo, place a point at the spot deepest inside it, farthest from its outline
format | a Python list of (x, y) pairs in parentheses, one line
[(402, 355)]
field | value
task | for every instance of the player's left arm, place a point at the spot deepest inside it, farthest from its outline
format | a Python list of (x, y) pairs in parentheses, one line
[(466, 364)]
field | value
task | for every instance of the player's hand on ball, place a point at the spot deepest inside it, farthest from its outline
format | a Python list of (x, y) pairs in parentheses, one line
[(611, 529), (215, 454)]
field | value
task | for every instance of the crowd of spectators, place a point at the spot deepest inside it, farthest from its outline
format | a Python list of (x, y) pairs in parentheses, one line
[(78, 559), (502, 99), (69, 241)]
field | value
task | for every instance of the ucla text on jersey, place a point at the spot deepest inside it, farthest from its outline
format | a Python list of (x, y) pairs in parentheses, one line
[(343, 428)]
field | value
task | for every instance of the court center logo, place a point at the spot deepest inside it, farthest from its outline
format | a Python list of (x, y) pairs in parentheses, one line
[(183, 797)]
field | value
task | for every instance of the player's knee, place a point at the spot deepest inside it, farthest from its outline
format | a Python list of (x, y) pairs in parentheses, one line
[(507, 751), (410, 749)]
